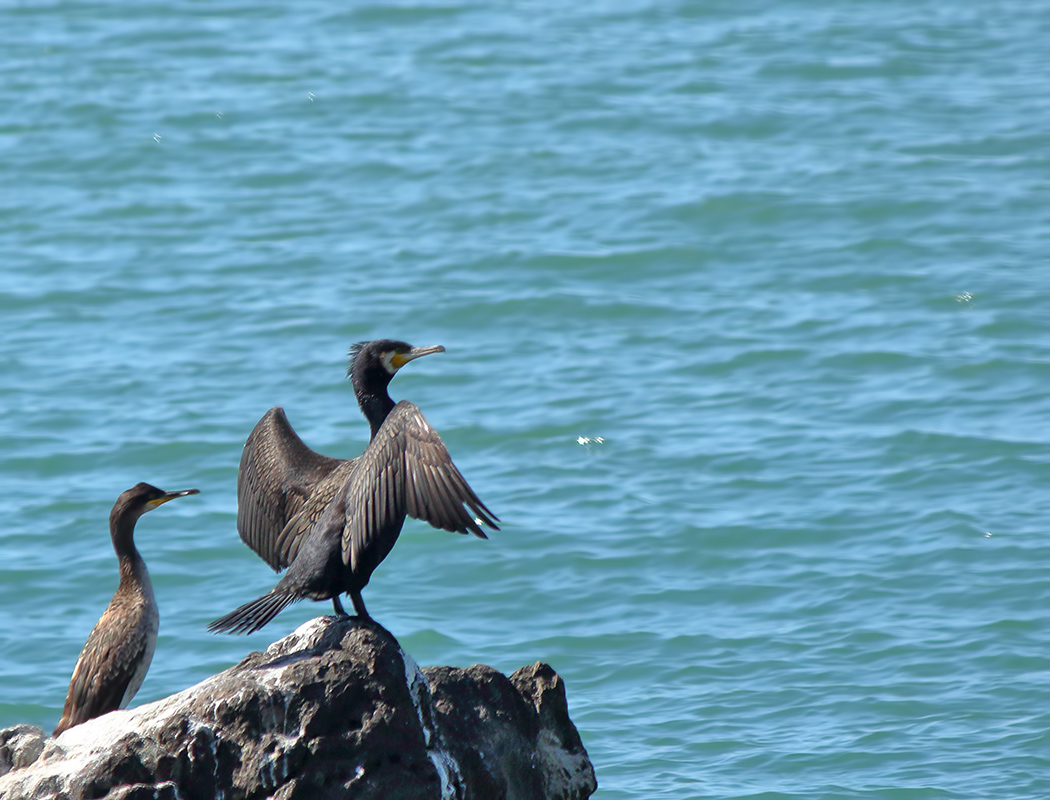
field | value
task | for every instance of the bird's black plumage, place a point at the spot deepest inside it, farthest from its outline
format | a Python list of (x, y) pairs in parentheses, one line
[(118, 652), (330, 521)]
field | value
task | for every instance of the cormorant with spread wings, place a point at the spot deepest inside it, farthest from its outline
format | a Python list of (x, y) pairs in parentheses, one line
[(330, 521)]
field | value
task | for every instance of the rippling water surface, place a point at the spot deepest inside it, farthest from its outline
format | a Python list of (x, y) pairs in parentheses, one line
[(748, 344)]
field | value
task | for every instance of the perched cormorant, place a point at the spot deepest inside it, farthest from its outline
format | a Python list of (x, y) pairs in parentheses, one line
[(331, 521), (118, 652)]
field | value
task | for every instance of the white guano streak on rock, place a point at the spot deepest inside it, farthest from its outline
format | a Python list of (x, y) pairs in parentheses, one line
[(446, 766), (82, 744), (305, 637), (561, 768), (195, 727), (78, 747)]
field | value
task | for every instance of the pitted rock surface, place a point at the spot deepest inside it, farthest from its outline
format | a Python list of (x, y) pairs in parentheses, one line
[(335, 710)]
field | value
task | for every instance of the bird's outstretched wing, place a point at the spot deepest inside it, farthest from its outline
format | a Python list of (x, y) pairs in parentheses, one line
[(282, 488), (405, 470)]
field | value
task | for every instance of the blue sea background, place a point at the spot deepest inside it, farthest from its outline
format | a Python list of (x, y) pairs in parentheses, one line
[(748, 344)]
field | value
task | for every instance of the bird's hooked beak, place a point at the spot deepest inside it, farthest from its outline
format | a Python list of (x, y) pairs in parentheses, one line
[(400, 359), (152, 504)]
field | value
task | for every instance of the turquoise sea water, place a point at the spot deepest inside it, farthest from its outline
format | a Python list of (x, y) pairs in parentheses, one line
[(748, 345)]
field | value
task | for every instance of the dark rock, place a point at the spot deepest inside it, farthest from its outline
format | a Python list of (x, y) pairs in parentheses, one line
[(532, 749), (335, 710)]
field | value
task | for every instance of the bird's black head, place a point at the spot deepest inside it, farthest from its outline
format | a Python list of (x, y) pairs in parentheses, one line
[(372, 365), (143, 497), (131, 505)]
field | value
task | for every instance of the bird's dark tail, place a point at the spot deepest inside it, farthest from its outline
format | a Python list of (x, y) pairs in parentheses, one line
[(252, 616)]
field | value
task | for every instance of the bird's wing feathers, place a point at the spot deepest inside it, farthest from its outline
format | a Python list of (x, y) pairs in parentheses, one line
[(406, 469), (275, 484), (295, 532), (104, 670)]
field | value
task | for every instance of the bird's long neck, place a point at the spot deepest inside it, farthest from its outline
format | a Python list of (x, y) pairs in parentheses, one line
[(375, 405), (132, 567)]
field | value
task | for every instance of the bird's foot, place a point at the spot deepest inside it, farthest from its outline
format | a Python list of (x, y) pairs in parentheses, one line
[(340, 612)]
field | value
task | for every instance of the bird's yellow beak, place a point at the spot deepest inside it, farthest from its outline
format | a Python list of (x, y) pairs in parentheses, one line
[(400, 359), (151, 504)]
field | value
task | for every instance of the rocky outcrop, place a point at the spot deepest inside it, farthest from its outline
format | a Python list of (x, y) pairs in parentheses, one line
[(335, 710)]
